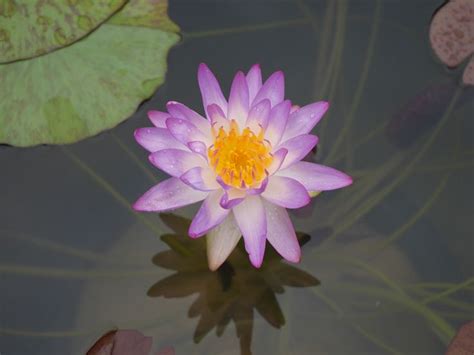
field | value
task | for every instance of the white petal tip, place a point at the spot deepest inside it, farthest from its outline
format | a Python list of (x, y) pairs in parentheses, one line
[(294, 260)]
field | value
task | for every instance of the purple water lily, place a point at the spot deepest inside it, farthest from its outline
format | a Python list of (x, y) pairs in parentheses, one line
[(243, 160)]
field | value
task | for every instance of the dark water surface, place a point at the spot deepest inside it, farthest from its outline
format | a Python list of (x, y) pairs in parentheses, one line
[(387, 264)]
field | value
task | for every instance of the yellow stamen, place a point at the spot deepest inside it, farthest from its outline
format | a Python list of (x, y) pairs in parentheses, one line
[(240, 159)]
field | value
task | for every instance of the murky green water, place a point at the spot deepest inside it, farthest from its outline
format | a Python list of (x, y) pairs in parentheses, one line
[(387, 264)]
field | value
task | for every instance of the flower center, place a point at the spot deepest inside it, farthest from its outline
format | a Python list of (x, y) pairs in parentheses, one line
[(239, 158)]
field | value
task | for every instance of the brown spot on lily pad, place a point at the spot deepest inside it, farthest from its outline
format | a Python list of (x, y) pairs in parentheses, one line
[(452, 32), (463, 342)]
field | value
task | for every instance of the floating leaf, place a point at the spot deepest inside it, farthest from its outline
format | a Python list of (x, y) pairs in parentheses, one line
[(463, 342), (31, 28), (468, 75), (452, 35), (146, 13), (452, 32), (83, 89), (423, 111)]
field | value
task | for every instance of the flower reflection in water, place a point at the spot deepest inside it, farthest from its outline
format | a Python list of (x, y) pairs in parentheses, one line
[(233, 292)]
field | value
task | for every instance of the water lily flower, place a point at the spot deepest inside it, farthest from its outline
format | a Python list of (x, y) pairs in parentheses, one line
[(243, 160)]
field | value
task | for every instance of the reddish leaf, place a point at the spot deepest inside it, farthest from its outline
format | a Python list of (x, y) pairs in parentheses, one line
[(463, 342), (452, 32)]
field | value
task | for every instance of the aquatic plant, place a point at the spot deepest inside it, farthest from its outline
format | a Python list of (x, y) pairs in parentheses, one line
[(243, 160)]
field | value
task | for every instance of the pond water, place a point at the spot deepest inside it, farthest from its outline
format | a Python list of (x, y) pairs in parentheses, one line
[(387, 264)]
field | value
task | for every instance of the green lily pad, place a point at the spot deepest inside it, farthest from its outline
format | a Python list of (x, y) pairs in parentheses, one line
[(146, 13), (31, 28), (80, 90)]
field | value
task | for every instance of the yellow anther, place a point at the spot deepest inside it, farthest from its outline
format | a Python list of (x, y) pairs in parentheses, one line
[(240, 158)]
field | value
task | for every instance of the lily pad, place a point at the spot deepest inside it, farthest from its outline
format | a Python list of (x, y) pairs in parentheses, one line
[(146, 13), (31, 28), (452, 36), (468, 75), (83, 89), (452, 32)]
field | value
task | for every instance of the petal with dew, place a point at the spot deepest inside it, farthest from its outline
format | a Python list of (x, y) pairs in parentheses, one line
[(201, 178), (273, 89), (304, 119), (278, 158), (258, 116), (168, 195), (221, 241), (277, 122), (217, 118), (251, 219), (286, 192), (315, 177), (232, 197), (158, 118), (210, 214), (154, 139), (185, 132), (254, 81), (198, 148), (176, 162), (238, 107), (298, 147), (210, 89), (179, 110), (281, 233)]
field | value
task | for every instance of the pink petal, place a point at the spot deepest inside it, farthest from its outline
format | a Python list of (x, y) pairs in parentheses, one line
[(221, 241), (210, 89), (179, 110), (303, 120), (254, 81), (200, 178), (238, 107), (158, 118), (185, 132), (315, 177), (286, 192), (277, 122), (154, 139), (294, 108), (232, 197), (258, 116), (251, 219), (258, 189), (217, 118), (298, 147), (168, 195), (273, 89), (176, 162), (278, 158), (209, 215), (198, 148), (281, 233)]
